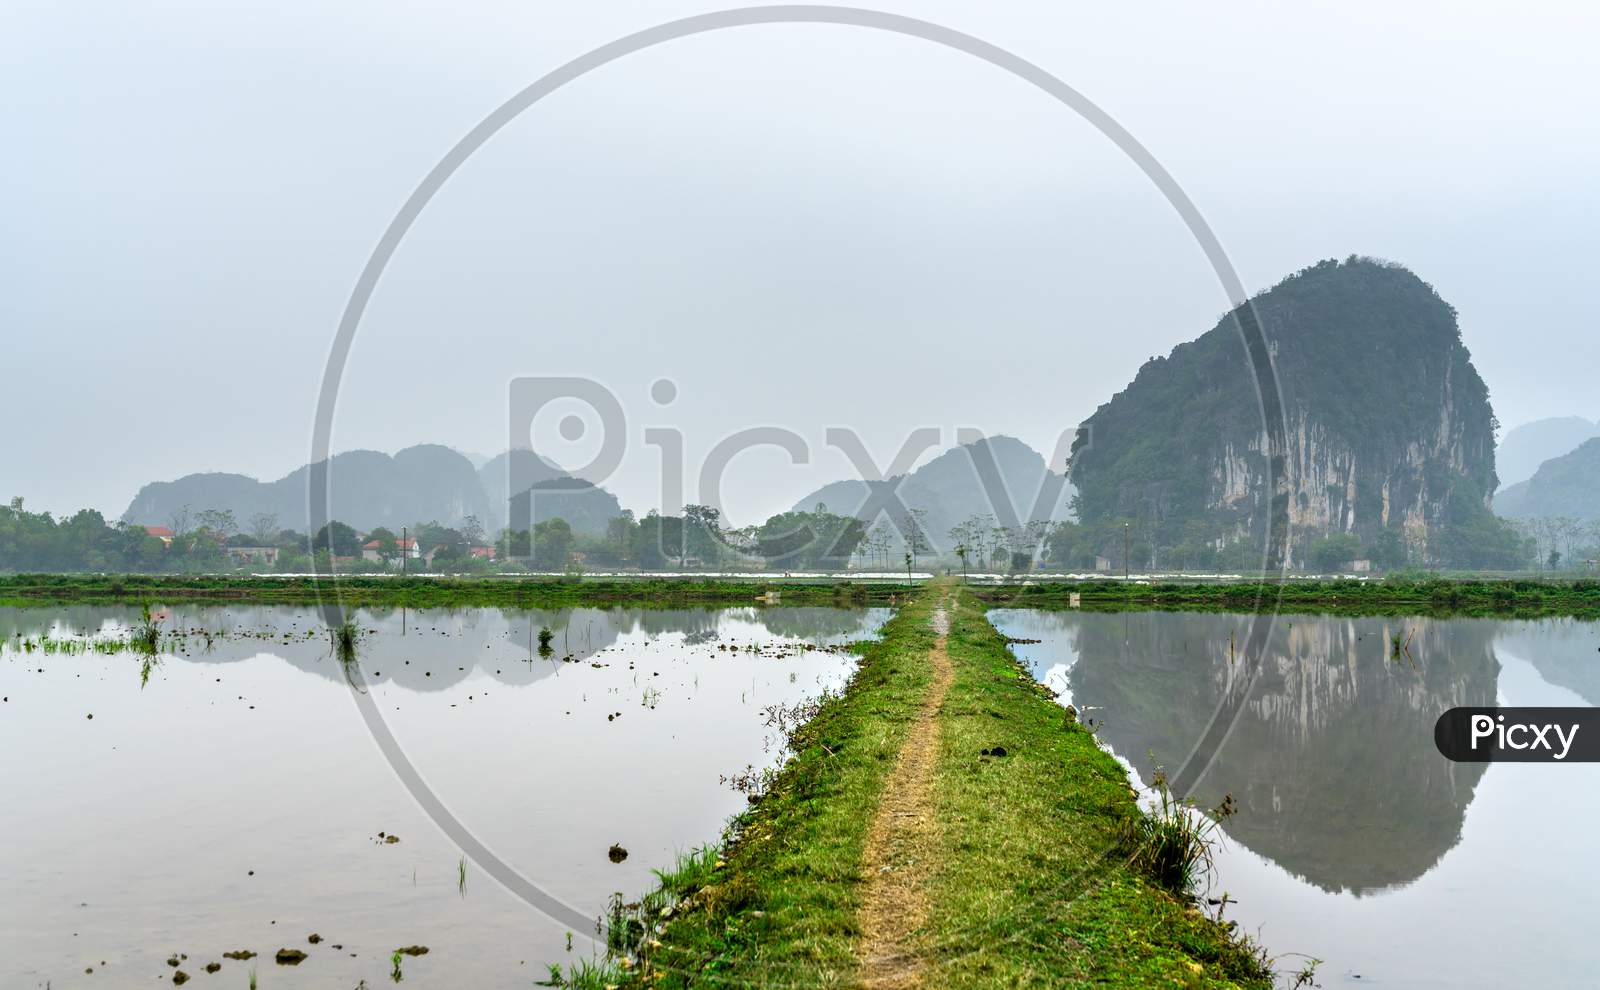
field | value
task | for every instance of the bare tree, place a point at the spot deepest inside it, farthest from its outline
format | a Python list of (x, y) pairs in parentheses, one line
[(881, 541), (1035, 533), (964, 539), (178, 521), (913, 530), (264, 527), (218, 521)]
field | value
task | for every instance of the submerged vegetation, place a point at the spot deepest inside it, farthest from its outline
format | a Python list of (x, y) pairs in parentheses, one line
[(345, 638), (146, 637)]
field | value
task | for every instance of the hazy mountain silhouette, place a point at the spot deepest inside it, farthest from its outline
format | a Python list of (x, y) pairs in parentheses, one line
[(508, 479), (1523, 449), (1563, 486), (952, 488), (368, 488)]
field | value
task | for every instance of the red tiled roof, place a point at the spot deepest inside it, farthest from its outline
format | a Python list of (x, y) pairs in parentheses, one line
[(160, 531), (399, 544)]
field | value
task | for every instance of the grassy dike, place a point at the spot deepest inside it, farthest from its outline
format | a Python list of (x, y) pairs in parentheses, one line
[(1023, 879)]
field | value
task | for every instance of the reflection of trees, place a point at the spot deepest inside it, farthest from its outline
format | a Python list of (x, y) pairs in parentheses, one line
[(431, 649), (814, 624), (74, 620), (1332, 762)]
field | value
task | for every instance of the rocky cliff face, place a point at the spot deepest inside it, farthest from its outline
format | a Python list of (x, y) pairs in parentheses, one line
[(1389, 426)]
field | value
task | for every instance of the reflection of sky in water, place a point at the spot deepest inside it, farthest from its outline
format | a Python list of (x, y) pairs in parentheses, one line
[(1480, 877), (138, 829)]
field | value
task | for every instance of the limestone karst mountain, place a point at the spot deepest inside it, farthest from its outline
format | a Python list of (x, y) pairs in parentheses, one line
[(1390, 435)]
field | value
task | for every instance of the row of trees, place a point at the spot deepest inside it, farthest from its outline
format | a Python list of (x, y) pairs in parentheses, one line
[(818, 540), (200, 541), (1558, 541)]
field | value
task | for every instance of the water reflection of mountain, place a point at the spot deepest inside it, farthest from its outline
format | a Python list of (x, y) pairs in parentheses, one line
[(1565, 652), (816, 625), (1332, 762), (433, 649)]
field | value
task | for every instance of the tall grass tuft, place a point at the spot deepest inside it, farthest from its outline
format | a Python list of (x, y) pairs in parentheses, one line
[(1172, 842)]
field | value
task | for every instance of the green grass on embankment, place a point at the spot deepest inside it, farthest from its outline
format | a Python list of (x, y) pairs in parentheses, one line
[(1441, 597), (1027, 887), (1034, 888), (1508, 598), (433, 592)]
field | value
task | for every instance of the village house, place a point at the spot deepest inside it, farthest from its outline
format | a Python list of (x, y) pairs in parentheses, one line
[(161, 533), (404, 547), (254, 556)]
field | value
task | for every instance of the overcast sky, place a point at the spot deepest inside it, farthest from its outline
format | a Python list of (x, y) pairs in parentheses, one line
[(802, 226)]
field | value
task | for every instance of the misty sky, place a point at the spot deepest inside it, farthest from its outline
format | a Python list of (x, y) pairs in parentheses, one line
[(802, 226)]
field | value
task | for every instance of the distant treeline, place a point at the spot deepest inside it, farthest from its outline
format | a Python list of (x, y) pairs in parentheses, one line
[(213, 541)]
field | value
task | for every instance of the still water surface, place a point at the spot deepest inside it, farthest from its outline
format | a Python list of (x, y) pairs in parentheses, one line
[(1355, 841), (235, 801)]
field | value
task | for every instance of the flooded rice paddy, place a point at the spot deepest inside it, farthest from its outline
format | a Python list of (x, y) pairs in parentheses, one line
[(1355, 842), (229, 799)]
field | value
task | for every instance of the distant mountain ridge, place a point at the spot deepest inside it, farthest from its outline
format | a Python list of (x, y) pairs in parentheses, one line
[(952, 488), (1563, 486), (1526, 447), (368, 488)]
